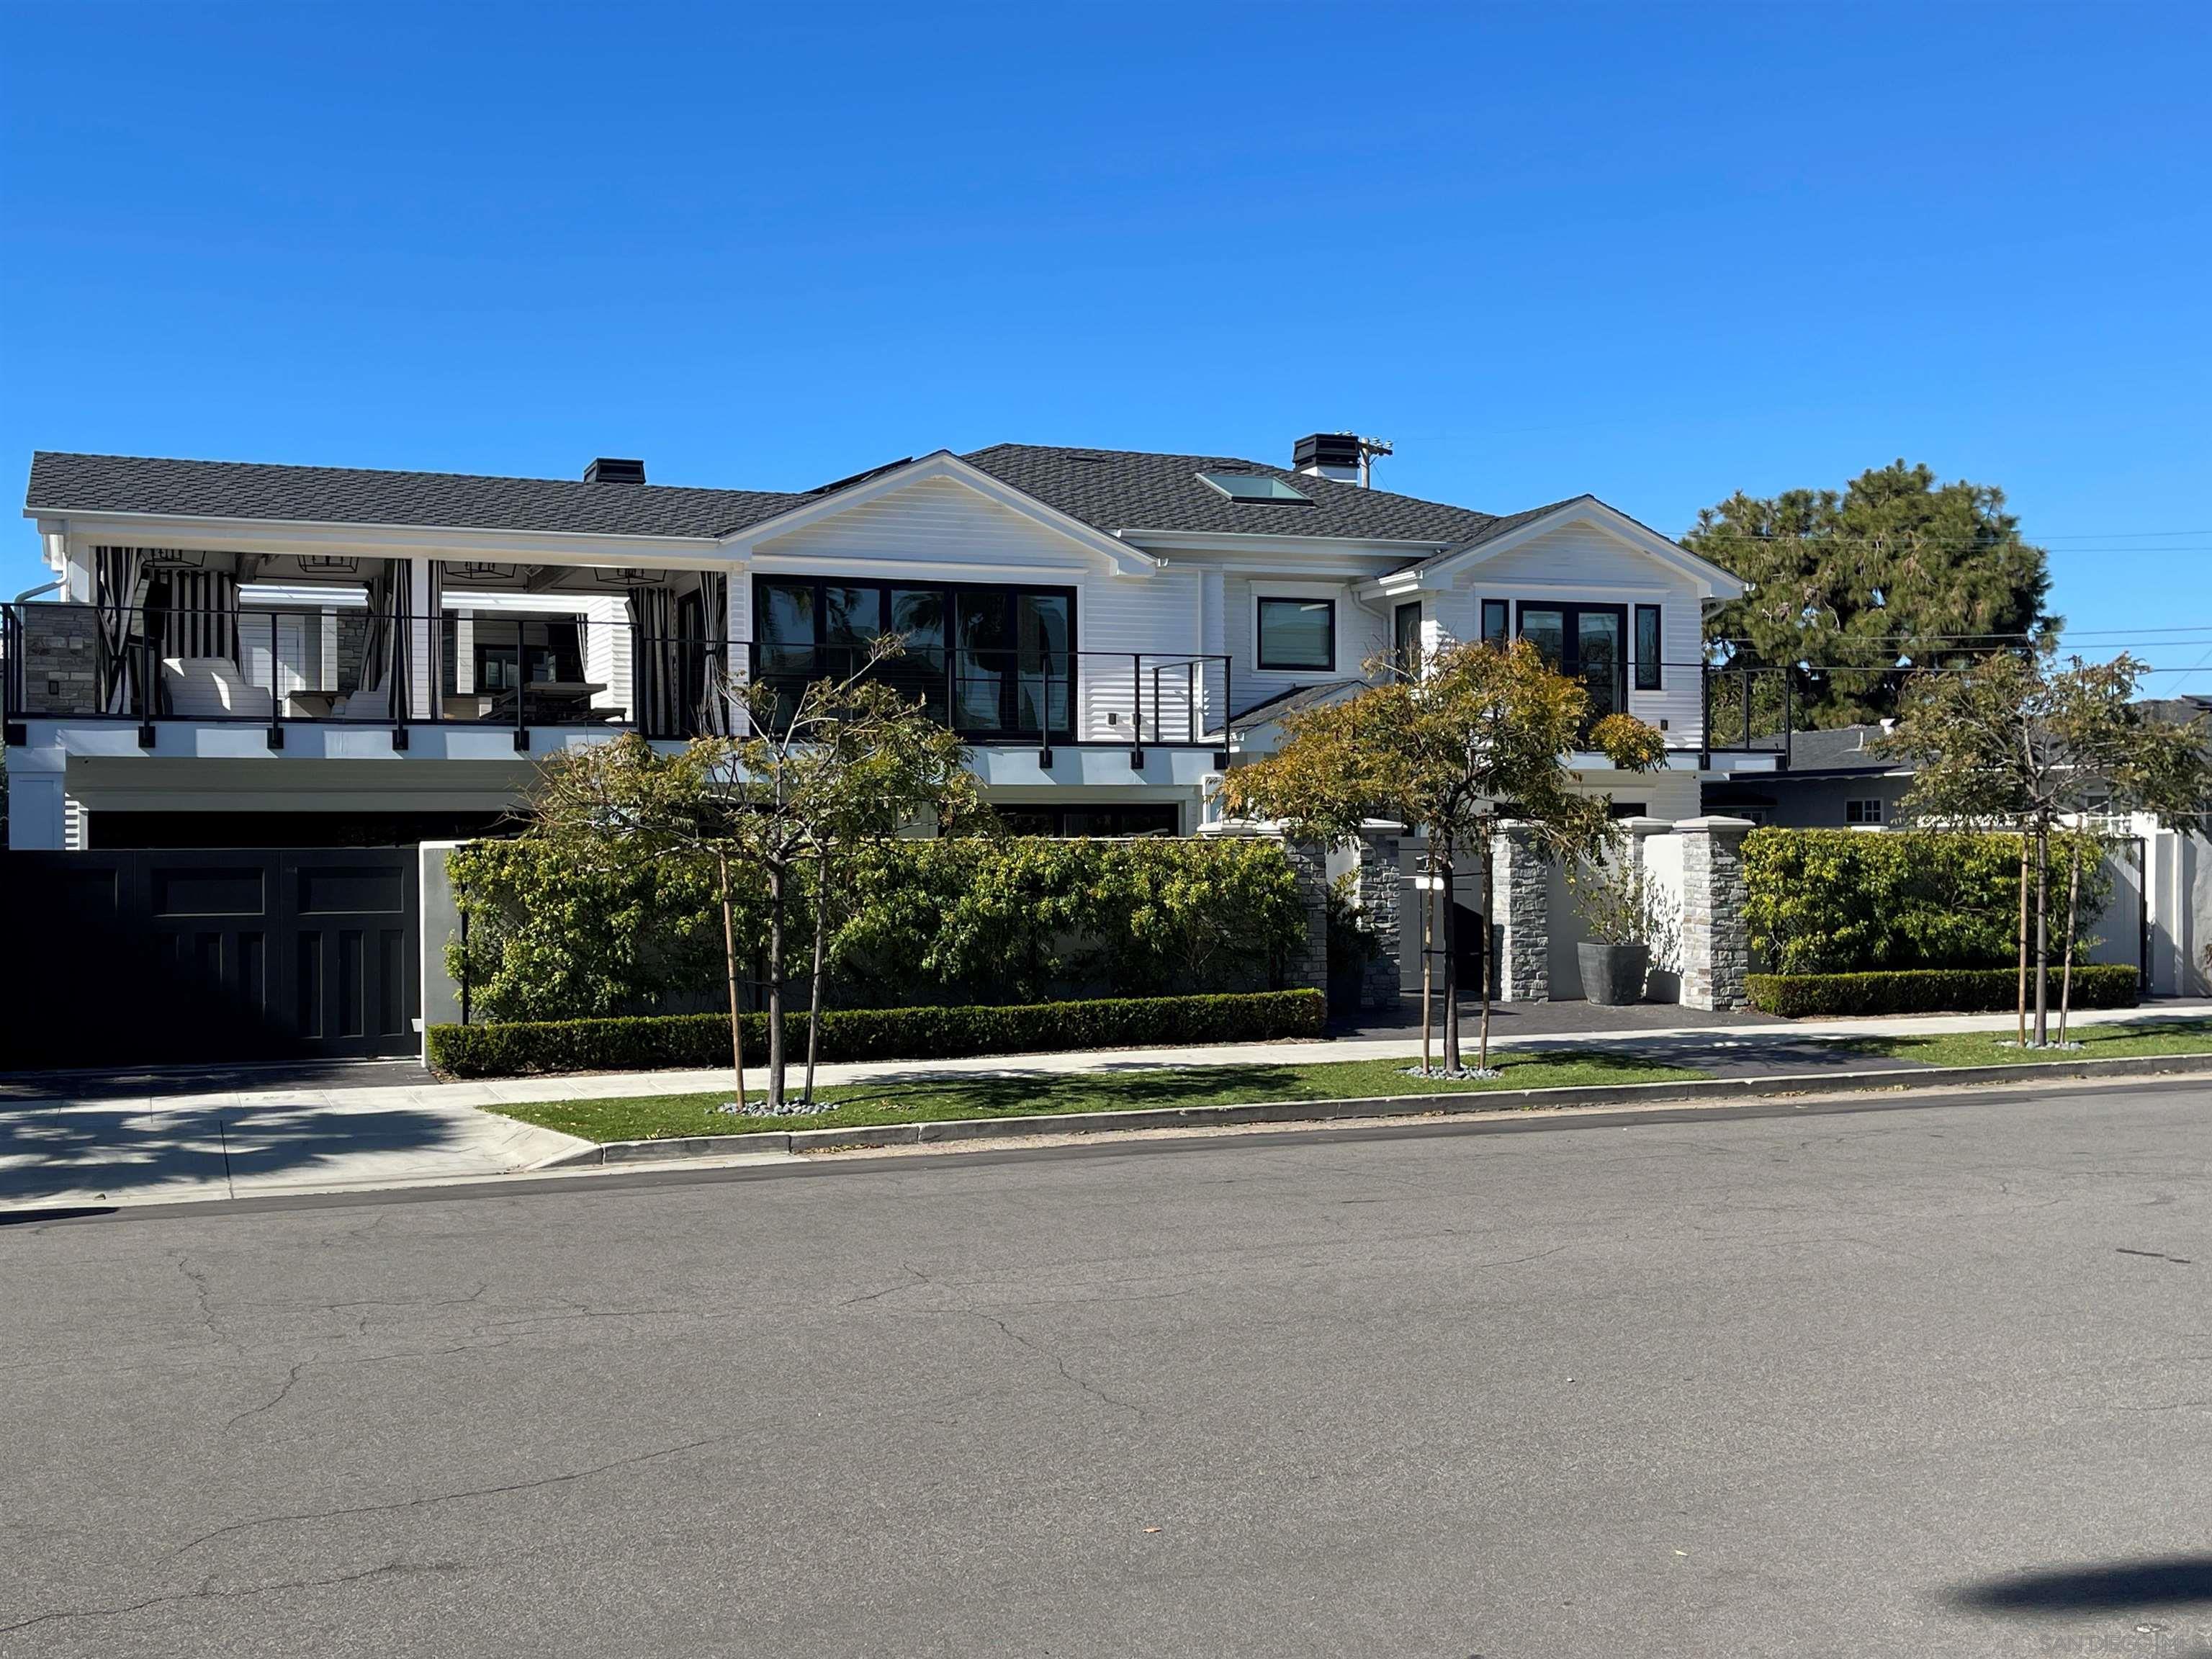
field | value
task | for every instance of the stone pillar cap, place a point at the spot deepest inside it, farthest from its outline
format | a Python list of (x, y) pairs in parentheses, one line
[(1642, 825), (1711, 826)]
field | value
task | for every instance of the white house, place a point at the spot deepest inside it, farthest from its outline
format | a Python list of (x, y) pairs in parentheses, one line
[(255, 655)]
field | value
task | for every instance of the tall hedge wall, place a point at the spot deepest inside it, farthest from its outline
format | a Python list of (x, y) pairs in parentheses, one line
[(982, 919), (1841, 900)]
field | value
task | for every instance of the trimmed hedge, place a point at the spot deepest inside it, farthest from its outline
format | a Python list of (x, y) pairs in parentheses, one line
[(1931, 991), (650, 1042)]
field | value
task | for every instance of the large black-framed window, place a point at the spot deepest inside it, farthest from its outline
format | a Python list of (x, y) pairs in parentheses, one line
[(1588, 641), (987, 659), (1648, 648), (1295, 633)]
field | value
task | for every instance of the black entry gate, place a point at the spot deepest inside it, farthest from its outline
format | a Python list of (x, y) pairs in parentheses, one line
[(178, 955)]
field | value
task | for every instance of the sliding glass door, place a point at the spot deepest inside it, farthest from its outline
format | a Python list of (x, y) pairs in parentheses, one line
[(991, 661)]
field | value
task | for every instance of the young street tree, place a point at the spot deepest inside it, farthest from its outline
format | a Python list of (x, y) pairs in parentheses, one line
[(1478, 735), (816, 773), (1852, 590), (2020, 741)]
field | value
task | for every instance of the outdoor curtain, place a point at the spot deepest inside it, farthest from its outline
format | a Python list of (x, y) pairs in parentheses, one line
[(656, 662), (431, 632), (119, 576), (383, 651), (198, 614), (714, 716)]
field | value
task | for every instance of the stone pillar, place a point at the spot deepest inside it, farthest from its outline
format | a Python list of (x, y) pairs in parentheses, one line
[(1381, 882), (1308, 968), (1519, 932), (1716, 940)]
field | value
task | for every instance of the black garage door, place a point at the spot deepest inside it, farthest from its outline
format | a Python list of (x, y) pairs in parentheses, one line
[(154, 956)]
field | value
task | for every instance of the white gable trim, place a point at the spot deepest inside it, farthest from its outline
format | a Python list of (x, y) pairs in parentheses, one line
[(1442, 572), (1127, 561)]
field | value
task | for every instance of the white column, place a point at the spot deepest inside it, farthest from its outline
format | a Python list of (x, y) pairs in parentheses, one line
[(330, 652), (464, 652), (422, 689)]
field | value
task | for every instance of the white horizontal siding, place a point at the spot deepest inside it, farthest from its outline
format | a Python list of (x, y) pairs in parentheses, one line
[(1579, 563), (1361, 635), (1155, 620), (938, 521)]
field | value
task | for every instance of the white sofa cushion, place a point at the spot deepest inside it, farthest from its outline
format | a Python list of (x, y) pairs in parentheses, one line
[(210, 687)]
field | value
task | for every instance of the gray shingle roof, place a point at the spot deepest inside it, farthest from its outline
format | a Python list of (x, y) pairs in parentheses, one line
[(1108, 489), (1842, 749), (1114, 489), (337, 494)]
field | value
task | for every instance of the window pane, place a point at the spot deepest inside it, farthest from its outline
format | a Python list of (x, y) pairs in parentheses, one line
[(1405, 622), (1047, 667), (851, 615), (1547, 631), (1597, 646), (1297, 634), (1494, 627), (785, 626), (918, 613), (1647, 647), (982, 661)]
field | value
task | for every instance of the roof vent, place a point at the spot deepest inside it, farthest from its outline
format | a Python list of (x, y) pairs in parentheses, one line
[(608, 470)]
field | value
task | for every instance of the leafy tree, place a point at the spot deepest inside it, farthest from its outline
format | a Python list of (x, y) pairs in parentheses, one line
[(2017, 739), (818, 773), (1476, 736), (1854, 591)]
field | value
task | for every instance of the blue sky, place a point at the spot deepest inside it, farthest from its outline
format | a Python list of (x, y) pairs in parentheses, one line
[(1658, 253)]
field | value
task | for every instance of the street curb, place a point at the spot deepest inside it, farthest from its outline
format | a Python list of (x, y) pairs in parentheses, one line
[(1717, 1090)]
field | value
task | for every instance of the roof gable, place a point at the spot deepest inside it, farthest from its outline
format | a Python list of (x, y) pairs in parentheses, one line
[(1503, 536)]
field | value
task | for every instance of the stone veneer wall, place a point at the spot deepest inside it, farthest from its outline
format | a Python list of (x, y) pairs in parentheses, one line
[(1381, 882), (1519, 932), (61, 661), (1308, 968), (1716, 942)]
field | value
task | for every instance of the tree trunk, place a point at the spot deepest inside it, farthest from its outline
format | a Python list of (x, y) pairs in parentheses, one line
[(2042, 937), (2073, 905), (730, 966), (1488, 853), (1428, 960), (2021, 941), (821, 978), (775, 1060), (1446, 878)]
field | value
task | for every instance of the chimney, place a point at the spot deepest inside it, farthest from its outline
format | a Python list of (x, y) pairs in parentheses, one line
[(608, 470), (1328, 455), (1345, 456)]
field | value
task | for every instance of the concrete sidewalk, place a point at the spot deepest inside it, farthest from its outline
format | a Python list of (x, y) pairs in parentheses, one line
[(150, 1136)]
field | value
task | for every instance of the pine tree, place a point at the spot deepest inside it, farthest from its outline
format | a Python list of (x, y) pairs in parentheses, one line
[(1852, 591)]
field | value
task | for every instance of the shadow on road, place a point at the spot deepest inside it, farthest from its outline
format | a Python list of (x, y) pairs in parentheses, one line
[(2180, 1581)]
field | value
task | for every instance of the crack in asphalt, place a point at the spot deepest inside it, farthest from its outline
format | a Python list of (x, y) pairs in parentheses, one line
[(446, 1496), (207, 1592)]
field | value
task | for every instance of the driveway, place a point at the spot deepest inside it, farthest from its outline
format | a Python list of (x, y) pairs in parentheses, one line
[(141, 1137)]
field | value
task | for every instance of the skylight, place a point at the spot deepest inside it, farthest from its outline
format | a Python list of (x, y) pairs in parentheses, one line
[(1255, 487)]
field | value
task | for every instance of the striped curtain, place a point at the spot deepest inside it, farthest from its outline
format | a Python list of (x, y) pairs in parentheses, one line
[(714, 718), (118, 595), (199, 615), (382, 644), (431, 631), (657, 663)]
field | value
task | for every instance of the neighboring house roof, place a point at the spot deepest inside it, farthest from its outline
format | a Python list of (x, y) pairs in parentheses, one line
[(1843, 749), (63, 483)]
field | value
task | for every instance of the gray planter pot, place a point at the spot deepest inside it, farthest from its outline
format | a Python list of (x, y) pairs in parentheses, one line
[(1613, 974)]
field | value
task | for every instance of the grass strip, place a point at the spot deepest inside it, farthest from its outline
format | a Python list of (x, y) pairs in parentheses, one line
[(2120, 1040), (890, 1100)]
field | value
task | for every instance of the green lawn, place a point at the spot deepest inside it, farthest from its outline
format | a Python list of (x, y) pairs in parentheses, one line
[(655, 1117), (2115, 1042)]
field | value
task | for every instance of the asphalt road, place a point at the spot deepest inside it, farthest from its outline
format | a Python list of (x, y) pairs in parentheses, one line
[(1917, 1381)]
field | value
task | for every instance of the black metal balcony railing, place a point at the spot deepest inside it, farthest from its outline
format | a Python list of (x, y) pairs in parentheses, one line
[(277, 666), (1023, 695)]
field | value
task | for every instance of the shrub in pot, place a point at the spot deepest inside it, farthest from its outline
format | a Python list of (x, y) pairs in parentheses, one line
[(1623, 914)]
